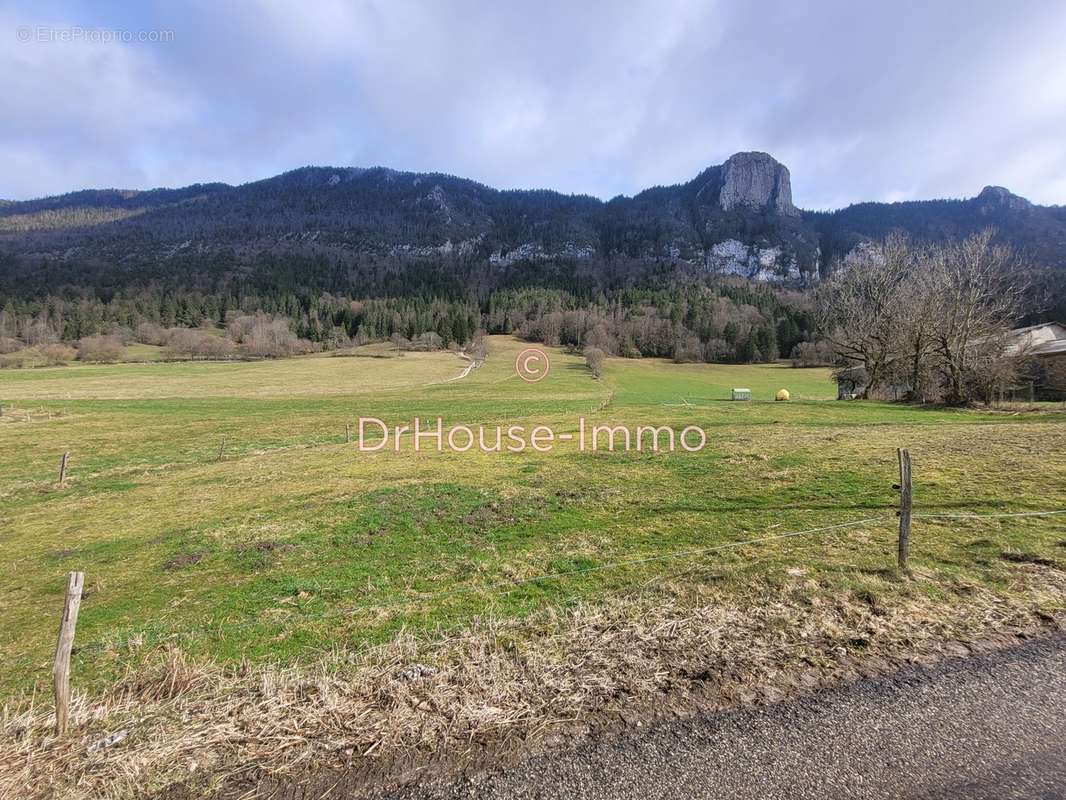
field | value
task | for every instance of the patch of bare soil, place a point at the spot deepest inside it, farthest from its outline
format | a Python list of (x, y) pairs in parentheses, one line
[(182, 561), (497, 692)]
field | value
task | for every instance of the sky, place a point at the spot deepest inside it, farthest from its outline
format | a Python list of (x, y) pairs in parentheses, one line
[(861, 100)]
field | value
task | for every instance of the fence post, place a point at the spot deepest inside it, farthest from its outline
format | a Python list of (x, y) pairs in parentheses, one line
[(63, 467), (61, 669), (221, 447), (904, 505), (348, 432)]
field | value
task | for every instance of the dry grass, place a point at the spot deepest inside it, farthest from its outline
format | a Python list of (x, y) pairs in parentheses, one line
[(308, 376), (499, 685)]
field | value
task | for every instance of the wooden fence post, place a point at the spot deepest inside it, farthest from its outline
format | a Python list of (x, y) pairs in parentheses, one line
[(904, 505), (221, 447), (348, 432), (63, 467), (61, 669)]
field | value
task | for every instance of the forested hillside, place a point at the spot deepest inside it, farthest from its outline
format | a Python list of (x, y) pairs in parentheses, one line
[(713, 269)]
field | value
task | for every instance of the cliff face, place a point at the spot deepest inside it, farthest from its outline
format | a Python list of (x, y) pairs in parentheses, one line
[(756, 180)]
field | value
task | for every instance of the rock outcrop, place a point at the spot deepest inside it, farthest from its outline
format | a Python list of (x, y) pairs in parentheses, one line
[(770, 264), (756, 180), (993, 198)]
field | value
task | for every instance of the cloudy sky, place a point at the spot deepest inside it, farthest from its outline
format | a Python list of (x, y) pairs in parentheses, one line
[(862, 101)]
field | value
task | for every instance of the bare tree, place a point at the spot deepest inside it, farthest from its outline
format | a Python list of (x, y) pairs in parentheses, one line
[(813, 354), (859, 308), (594, 359), (688, 349), (479, 347), (976, 300), (930, 321), (918, 309)]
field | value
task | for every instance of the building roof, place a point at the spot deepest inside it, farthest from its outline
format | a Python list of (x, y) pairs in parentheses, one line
[(1036, 339), (1019, 331), (1054, 348)]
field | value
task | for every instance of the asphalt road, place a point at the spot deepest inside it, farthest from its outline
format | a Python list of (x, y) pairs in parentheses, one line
[(988, 726)]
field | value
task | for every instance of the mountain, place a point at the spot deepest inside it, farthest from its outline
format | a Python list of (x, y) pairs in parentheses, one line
[(736, 219), (1037, 233)]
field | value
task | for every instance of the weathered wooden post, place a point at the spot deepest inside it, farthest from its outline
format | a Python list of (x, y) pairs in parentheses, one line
[(61, 669), (221, 447), (63, 467), (348, 432), (904, 505)]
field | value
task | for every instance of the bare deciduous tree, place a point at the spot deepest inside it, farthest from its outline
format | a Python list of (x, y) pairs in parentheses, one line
[(932, 319), (860, 307), (977, 298), (813, 354), (594, 359)]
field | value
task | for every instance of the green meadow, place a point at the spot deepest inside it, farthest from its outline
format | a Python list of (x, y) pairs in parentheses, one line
[(295, 542)]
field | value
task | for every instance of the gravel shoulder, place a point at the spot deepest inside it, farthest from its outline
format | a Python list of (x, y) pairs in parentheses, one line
[(991, 725)]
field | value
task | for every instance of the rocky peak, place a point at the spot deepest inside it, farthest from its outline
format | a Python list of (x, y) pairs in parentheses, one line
[(996, 197), (756, 180)]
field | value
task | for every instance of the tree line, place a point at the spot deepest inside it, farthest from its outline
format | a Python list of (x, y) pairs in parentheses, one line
[(925, 321), (625, 307)]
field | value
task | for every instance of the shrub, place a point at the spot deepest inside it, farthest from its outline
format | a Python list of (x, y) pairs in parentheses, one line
[(9, 345), (107, 349), (425, 342), (594, 358), (813, 354), (56, 353), (268, 337), (150, 333), (189, 343), (688, 349)]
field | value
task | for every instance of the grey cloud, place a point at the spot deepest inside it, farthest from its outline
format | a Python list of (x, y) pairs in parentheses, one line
[(861, 101)]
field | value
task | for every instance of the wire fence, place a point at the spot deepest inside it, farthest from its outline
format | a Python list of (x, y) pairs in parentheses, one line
[(992, 516), (161, 630)]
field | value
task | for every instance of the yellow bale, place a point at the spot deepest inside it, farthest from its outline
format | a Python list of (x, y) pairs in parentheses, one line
[(782, 394)]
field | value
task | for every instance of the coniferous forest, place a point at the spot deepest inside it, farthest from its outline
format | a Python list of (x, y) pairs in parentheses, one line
[(325, 258), (623, 306)]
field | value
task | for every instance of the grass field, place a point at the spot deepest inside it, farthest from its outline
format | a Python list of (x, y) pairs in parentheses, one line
[(295, 543)]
